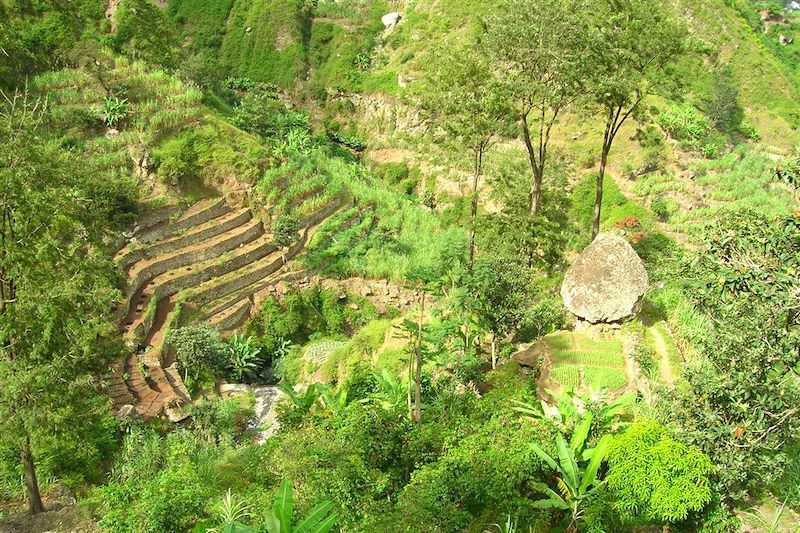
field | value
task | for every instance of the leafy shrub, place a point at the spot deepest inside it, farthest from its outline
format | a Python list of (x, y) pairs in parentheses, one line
[(177, 159), (243, 359), (239, 84), (263, 114), (285, 231), (683, 123), (485, 472), (144, 32), (158, 484), (662, 208), (546, 316), (347, 140), (656, 477), (645, 358), (724, 109), (220, 420), (113, 111), (198, 349), (394, 173)]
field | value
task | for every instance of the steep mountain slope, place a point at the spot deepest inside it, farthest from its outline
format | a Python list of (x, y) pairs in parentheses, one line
[(284, 42)]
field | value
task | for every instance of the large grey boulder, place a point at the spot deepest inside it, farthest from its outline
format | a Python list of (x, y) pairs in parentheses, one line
[(607, 281)]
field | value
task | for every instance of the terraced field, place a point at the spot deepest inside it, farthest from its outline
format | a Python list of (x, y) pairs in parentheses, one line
[(581, 362), (208, 263)]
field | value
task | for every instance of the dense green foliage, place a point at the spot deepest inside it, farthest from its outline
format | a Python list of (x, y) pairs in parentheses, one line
[(454, 158), (739, 406), (655, 477), (54, 272)]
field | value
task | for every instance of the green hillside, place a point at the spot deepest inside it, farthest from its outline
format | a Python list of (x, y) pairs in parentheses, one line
[(334, 265)]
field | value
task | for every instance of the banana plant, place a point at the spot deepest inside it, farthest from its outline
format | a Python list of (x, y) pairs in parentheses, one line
[(320, 519), (576, 472), (318, 398), (279, 519), (393, 389), (302, 401), (330, 401), (572, 407)]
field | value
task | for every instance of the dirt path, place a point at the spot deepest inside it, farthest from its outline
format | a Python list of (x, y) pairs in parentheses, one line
[(636, 382), (665, 371)]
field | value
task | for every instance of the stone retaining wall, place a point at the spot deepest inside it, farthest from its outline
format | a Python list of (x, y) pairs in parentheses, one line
[(235, 318), (184, 259), (230, 286), (186, 240), (215, 210)]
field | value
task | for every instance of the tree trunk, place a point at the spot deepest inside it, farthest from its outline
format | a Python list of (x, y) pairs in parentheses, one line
[(409, 386), (418, 373), (667, 528), (34, 497), (536, 184), (598, 199), (473, 215), (494, 351)]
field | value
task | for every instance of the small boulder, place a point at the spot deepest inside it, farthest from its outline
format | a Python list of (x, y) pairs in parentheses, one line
[(127, 412), (607, 281), (390, 20), (532, 357)]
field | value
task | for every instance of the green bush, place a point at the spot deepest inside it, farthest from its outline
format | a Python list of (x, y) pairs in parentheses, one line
[(113, 111), (263, 114), (724, 109), (546, 316), (482, 475), (176, 159), (199, 351), (157, 484), (144, 32), (285, 231), (662, 208)]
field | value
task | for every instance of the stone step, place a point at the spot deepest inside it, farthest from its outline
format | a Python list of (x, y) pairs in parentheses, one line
[(174, 378), (234, 288), (196, 215), (214, 227), (164, 277), (173, 282), (188, 251)]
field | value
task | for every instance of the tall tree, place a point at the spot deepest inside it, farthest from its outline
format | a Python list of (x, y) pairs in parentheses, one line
[(634, 47), (541, 49), (466, 98), (56, 287)]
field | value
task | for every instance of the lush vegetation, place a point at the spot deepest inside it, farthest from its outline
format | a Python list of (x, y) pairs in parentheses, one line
[(421, 187)]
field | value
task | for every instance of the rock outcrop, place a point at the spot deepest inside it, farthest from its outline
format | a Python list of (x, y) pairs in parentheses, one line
[(390, 20), (607, 281)]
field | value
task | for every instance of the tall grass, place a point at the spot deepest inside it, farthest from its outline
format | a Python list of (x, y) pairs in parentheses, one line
[(400, 240)]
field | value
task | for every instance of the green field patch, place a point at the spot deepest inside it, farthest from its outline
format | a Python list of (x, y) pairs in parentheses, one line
[(319, 351), (600, 360), (568, 376), (577, 357)]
